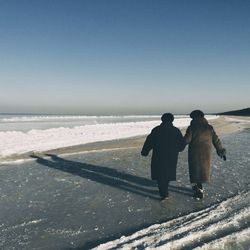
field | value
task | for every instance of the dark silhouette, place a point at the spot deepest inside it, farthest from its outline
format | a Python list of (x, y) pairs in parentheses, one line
[(201, 136), (104, 175), (166, 141), (240, 112)]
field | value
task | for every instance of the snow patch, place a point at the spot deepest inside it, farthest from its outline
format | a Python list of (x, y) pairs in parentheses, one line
[(25, 224), (233, 119), (65, 232), (219, 225), (18, 142)]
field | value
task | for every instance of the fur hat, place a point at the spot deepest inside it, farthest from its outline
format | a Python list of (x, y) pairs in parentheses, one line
[(196, 114), (167, 117)]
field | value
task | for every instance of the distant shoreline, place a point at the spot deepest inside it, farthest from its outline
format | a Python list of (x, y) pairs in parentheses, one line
[(241, 112), (223, 125)]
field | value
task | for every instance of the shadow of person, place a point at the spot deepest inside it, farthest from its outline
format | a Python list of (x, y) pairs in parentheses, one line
[(104, 175), (181, 190)]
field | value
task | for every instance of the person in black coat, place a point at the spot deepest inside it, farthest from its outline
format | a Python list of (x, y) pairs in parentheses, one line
[(166, 141)]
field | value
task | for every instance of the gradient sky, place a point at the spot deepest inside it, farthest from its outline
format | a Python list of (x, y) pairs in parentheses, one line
[(124, 56)]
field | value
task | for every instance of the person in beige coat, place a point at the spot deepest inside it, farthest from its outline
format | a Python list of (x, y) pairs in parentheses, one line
[(201, 136)]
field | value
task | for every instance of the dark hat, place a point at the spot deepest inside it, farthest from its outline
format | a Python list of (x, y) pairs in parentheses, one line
[(196, 114), (167, 117)]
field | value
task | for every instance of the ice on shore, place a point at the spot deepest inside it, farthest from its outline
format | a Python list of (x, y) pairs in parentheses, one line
[(19, 142), (37, 194), (83, 118), (221, 226)]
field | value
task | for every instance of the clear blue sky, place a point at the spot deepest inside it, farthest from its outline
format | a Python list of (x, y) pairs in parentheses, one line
[(124, 56)]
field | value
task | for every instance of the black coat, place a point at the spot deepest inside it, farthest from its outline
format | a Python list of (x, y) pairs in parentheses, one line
[(166, 141)]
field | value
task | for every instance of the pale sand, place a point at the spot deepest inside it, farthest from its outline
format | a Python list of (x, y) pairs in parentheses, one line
[(223, 125)]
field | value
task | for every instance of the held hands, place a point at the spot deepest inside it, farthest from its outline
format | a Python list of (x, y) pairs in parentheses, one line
[(144, 153), (222, 154)]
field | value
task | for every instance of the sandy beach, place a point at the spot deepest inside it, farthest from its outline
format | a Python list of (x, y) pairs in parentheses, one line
[(79, 197)]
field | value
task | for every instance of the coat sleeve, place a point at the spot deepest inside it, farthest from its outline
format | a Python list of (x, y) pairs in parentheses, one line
[(217, 144), (148, 144), (188, 135), (182, 142)]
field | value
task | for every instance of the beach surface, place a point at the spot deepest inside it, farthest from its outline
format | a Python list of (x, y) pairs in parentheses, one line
[(79, 197)]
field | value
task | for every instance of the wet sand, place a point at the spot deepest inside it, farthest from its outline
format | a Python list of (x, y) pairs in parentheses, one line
[(78, 197)]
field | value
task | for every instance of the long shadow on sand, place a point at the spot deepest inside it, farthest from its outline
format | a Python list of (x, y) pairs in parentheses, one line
[(104, 175), (107, 176), (111, 177)]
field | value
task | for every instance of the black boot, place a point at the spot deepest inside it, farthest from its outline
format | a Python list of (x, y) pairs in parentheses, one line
[(198, 191), (163, 188)]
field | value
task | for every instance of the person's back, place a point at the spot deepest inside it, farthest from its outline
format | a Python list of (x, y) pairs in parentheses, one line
[(166, 141), (201, 136)]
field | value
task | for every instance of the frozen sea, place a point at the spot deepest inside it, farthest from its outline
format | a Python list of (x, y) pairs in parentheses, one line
[(27, 122), (20, 134), (82, 201)]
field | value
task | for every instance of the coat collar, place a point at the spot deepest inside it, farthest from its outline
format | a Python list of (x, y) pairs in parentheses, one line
[(198, 121), (167, 124)]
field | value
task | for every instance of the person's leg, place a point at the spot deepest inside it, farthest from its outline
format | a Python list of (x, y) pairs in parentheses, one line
[(163, 187), (198, 191)]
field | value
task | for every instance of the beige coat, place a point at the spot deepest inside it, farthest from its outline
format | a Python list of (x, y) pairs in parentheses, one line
[(201, 136)]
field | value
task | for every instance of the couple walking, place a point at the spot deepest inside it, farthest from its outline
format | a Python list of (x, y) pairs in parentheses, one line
[(166, 141)]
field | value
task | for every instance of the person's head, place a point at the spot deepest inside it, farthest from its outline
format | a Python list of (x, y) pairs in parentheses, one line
[(196, 114), (167, 118)]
